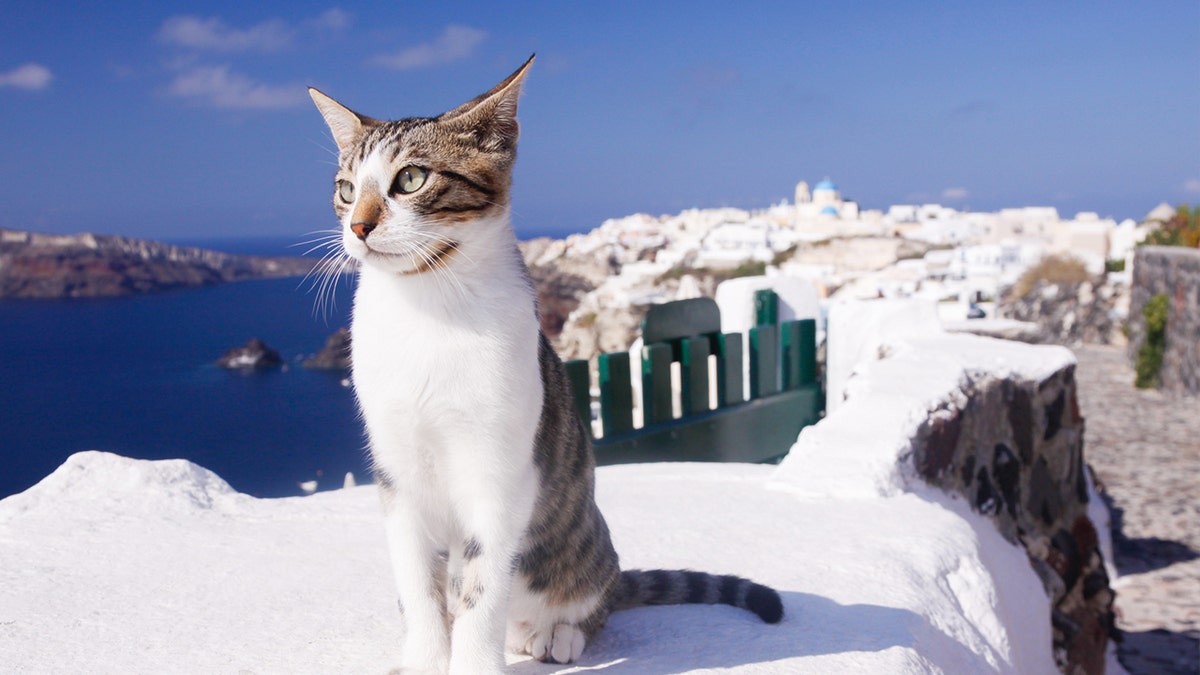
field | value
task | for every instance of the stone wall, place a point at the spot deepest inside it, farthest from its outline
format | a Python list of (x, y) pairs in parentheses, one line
[(1175, 271), (1070, 313), (993, 423), (1014, 449)]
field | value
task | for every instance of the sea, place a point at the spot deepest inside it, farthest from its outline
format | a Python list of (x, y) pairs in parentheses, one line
[(136, 376)]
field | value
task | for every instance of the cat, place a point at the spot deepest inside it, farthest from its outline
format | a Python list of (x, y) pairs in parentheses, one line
[(485, 471)]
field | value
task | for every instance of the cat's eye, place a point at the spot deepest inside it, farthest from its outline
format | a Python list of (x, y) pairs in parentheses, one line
[(409, 180), (345, 190)]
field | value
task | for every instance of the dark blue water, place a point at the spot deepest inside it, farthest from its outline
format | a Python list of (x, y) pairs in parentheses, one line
[(134, 376)]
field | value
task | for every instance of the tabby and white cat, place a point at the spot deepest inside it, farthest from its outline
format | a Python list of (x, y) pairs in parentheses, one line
[(485, 470)]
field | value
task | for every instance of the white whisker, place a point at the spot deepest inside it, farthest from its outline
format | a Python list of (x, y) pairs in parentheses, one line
[(325, 275), (327, 149), (446, 241), (329, 239), (332, 244), (422, 255)]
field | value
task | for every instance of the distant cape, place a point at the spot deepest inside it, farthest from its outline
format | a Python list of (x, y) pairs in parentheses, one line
[(46, 266)]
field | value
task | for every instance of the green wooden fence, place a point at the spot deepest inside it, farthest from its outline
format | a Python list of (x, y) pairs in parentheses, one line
[(785, 394)]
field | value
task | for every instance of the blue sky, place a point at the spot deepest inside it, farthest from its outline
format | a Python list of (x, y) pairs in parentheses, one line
[(179, 120)]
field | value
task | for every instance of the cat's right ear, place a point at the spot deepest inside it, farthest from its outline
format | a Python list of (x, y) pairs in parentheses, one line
[(345, 124)]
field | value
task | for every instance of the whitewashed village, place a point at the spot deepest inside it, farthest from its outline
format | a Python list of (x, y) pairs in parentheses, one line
[(961, 260)]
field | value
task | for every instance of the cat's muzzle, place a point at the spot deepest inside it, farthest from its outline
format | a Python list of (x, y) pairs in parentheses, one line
[(361, 230)]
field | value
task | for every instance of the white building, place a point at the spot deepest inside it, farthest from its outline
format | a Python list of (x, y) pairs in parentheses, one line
[(823, 203), (732, 243)]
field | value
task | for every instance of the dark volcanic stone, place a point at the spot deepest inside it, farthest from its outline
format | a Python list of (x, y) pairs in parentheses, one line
[(1015, 452), (1084, 532), (1008, 477), (940, 445), (986, 499), (1054, 416), (1094, 583), (1044, 499), (1020, 418), (253, 355), (968, 469), (1071, 560), (335, 355)]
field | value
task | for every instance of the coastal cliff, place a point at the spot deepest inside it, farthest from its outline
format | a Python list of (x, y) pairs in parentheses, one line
[(44, 266)]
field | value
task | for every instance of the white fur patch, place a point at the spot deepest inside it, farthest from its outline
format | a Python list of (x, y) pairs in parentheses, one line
[(540, 630)]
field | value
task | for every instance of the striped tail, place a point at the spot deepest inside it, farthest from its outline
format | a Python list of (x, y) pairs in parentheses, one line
[(679, 587)]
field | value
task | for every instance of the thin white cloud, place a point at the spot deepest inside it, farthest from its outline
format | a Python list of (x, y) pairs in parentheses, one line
[(220, 87), (333, 19), (955, 194), (193, 39), (454, 44), (31, 76), (212, 34), (1192, 185)]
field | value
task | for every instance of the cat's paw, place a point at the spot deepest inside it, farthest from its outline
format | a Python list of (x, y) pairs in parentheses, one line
[(562, 643)]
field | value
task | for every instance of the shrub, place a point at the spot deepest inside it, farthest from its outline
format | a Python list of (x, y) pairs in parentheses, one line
[(1150, 355), (748, 268), (1183, 229), (1056, 269), (752, 268), (676, 272), (785, 256)]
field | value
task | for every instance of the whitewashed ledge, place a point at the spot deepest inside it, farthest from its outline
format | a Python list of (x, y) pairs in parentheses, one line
[(115, 565)]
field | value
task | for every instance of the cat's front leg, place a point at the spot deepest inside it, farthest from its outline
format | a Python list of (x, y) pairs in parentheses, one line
[(493, 527), (480, 618), (420, 572)]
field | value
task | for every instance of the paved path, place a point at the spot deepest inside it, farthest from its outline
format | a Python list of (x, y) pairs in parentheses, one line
[(1145, 449)]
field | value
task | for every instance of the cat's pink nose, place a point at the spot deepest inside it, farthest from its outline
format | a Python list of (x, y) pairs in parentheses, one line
[(361, 230)]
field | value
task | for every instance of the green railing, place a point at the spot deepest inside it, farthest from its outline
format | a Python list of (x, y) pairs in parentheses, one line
[(785, 394)]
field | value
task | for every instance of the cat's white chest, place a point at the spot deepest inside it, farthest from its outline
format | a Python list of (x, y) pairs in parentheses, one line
[(443, 384)]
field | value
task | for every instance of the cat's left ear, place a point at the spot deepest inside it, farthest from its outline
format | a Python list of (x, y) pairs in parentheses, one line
[(492, 117), (345, 124)]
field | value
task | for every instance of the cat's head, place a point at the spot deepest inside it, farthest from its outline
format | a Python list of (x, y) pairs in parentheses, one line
[(411, 193)]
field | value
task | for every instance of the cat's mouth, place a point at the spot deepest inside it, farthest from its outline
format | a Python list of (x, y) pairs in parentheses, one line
[(425, 258)]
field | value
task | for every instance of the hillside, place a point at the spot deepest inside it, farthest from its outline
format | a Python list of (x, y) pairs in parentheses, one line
[(45, 266)]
